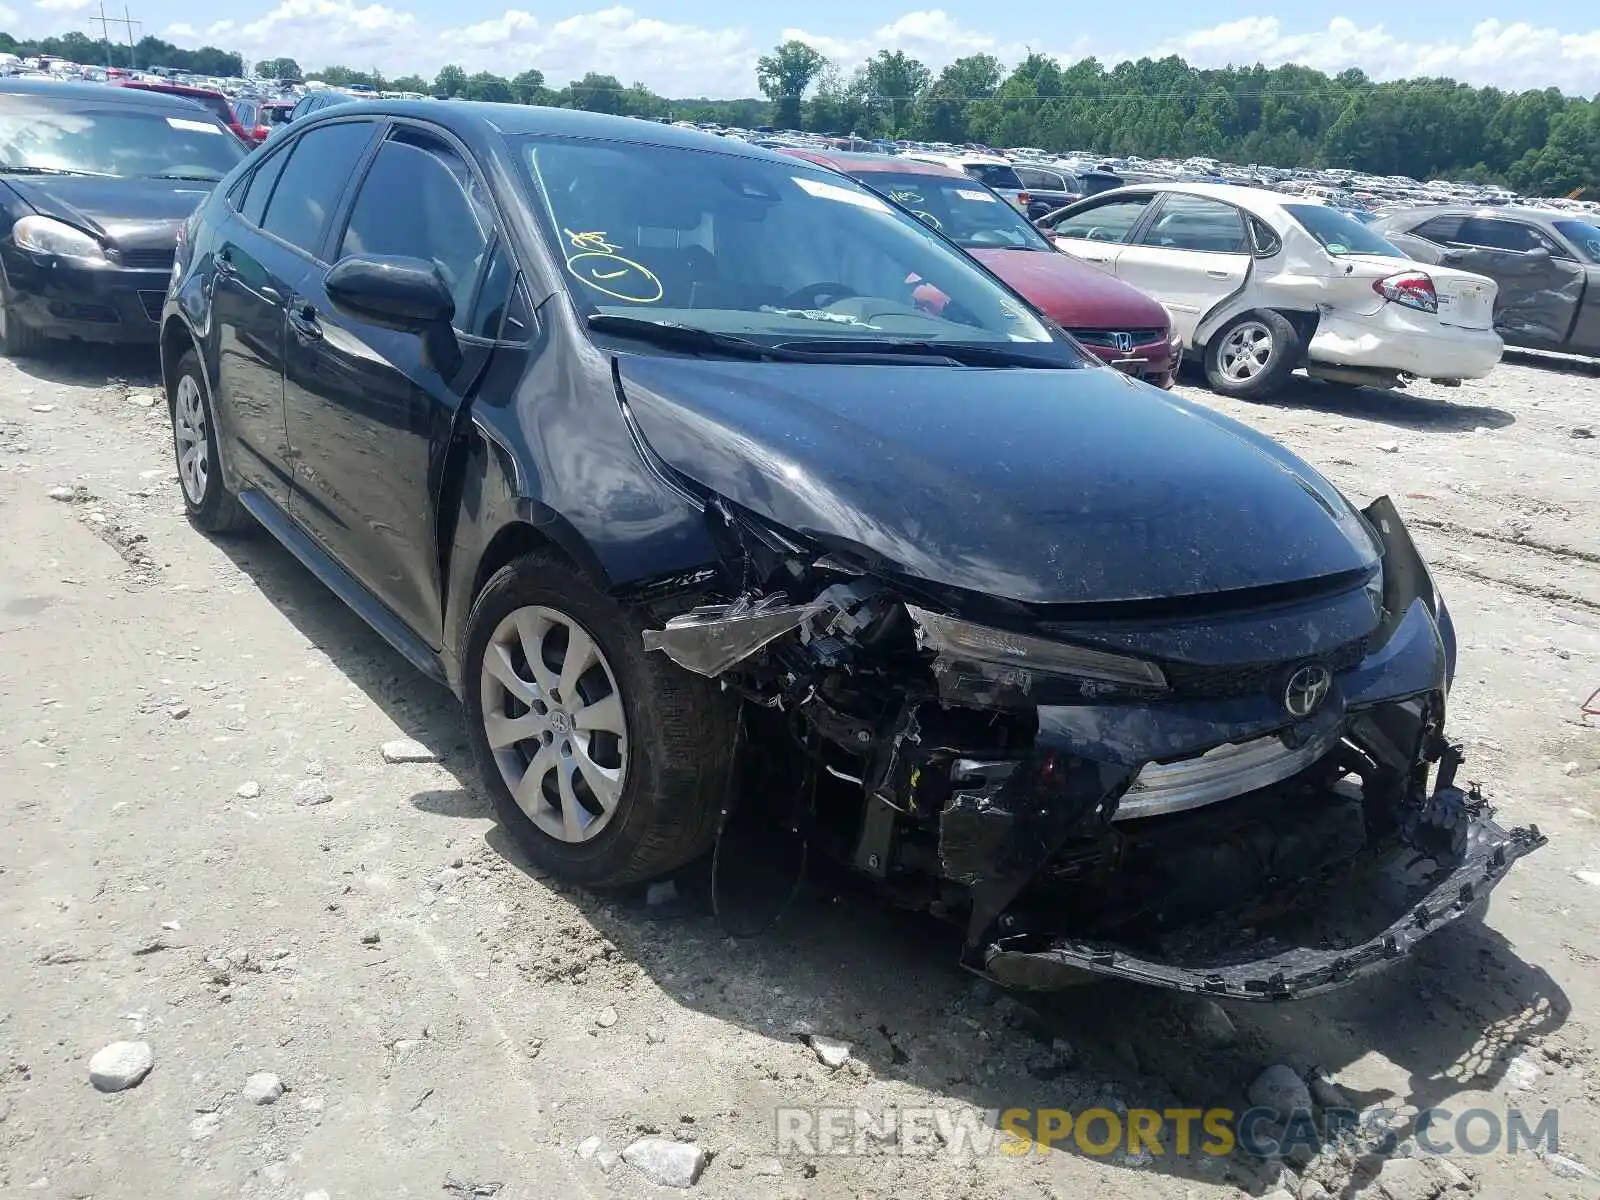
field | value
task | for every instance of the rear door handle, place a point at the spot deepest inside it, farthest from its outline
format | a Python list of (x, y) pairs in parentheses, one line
[(1219, 274), (303, 317)]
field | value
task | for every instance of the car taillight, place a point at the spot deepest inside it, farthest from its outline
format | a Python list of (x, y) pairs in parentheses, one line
[(1412, 289)]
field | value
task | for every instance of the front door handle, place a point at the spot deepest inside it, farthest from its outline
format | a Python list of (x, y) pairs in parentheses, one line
[(303, 318), (1218, 274), (224, 261)]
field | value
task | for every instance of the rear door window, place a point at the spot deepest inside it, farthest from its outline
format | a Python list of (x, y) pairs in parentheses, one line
[(1111, 221), (320, 163), (1037, 179), (1197, 223), (1439, 230), (1494, 234)]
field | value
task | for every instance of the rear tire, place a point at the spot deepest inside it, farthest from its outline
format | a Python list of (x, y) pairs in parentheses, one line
[(210, 507), (608, 764), (1253, 355)]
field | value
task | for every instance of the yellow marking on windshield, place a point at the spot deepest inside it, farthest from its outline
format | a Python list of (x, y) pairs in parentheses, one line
[(591, 254)]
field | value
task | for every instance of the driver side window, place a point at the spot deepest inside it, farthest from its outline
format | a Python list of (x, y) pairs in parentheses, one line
[(1112, 221)]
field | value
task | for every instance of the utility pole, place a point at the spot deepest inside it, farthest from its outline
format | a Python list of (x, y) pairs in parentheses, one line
[(127, 22)]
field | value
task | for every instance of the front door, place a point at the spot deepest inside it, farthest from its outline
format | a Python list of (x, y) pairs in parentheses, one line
[(370, 412), (1096, 230), (1192, 255)]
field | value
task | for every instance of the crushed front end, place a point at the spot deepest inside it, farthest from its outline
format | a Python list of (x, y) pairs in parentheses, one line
[(1248, 793)]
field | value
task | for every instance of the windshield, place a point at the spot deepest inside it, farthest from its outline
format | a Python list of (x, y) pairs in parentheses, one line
[(763, 249), (996, 175), (1584, 237), (87, 139), (967, 214), (1340, 233)]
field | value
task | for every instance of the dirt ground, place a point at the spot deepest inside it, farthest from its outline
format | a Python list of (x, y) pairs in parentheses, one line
[(447, 1022)]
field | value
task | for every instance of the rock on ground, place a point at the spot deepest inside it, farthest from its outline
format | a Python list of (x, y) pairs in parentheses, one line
[(121, 1065), (669, 1163), (830, 1053), (263, 1088), (1281, 1089), (312, 791), (1423, 1177), (405, 750)]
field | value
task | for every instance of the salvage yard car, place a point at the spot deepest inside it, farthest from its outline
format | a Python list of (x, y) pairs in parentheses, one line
[(1547, 266), (637, 439), (1117, 323), (95, 182), (1261, 284)]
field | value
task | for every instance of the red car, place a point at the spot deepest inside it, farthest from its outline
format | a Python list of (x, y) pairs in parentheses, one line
[(1116, 322), (258, 118), (216, 102)]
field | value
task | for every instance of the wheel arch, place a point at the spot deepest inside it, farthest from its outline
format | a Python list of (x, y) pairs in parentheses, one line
[(1304, 321)]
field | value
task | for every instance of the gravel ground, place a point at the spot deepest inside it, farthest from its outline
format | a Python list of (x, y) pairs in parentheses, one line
[(207, 852)]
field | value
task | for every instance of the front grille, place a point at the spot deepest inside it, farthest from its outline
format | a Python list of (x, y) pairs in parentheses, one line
[(152, 302), (1194, 681), (1108, 337), (147, 260)]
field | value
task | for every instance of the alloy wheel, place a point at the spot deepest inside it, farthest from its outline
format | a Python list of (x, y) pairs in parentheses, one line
[(553, 717), (189, 435), (1245, 351)]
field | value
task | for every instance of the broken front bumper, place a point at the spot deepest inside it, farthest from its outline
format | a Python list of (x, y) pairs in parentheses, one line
[(1343, 941)]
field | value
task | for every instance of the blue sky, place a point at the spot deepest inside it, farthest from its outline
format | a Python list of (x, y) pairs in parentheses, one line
[(709, 47)]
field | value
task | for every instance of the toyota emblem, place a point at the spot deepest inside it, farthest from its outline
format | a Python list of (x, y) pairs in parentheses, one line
[(1306, 690)]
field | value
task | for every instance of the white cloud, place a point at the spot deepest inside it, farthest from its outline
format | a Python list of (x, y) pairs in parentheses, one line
[(1511, 55), (62, 5), (681, 58), (181, 30)]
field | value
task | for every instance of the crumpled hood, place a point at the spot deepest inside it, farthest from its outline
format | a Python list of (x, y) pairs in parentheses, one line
[(1041, 486), (129, 213), (1073, 293)]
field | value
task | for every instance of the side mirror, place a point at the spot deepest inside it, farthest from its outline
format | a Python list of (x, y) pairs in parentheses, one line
[(401, 293), (395, 291), (1539, 255)]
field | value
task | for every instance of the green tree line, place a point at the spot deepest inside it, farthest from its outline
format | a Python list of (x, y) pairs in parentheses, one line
[(147, 52), (1539, 142)]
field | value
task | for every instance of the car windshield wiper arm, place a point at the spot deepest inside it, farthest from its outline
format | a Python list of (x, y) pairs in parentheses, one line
[(19, 169), (1003, 355), (692, 338)]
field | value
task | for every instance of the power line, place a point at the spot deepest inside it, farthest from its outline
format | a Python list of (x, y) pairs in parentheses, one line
[(128, 24)]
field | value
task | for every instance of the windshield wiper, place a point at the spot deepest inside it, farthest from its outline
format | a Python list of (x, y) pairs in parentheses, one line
[(18, 169), (964, 353), (677, 336)]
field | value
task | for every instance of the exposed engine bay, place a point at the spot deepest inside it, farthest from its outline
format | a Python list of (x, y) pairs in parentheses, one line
[(1247, 793)]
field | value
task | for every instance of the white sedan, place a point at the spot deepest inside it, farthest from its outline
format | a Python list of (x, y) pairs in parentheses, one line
[(1260, 283)]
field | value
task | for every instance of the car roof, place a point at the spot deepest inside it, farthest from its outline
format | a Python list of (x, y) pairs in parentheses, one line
[(172, 89), (1255, 200), (1520, 212), (864, 164), (99, 93), (476, 116)]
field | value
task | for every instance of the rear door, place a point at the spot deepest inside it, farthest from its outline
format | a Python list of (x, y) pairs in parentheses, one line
[(369, 413), (1095, 231), (1192, 254), (1541, 284)]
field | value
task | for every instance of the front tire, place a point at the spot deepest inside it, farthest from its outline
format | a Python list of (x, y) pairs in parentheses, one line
[(210, 507), (1253, 356), (608, 764), (16, 339)]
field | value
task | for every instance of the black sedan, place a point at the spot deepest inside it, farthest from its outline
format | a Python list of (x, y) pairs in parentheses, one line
[(1547, 264), (638, 439), (95, 182)]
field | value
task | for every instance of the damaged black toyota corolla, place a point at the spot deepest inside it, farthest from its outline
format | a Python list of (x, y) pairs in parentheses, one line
[(642, 441)]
